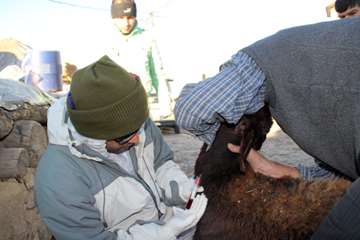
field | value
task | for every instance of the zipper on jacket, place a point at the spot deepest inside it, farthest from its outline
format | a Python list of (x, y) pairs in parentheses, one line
[(140, 180), (160, 214)]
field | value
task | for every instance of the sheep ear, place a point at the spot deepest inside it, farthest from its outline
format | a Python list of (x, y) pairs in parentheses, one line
[(245, 135), (245, 146), (242, 164)]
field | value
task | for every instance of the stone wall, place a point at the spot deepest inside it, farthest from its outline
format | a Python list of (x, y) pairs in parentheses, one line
[(23, 140)]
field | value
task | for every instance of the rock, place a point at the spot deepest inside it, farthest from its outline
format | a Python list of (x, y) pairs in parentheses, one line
[(13, 162), (6, 124), (30, 135), (17, 221), (14, 94)]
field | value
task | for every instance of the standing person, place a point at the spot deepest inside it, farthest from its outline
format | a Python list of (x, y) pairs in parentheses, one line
[(107, 172), (135, 49), (309, 76), (347, 8)]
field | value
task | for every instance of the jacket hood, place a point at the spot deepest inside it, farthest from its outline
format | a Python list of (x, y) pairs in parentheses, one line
[(62, 132), (57, 123)]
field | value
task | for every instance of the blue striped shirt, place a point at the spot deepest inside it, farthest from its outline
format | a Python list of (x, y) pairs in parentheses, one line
[(316, 172), (236, 90)]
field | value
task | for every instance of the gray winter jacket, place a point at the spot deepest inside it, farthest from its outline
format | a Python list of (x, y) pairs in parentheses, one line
[(81, 194)]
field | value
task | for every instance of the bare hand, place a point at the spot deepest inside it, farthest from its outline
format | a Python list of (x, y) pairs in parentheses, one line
[(262, 165)]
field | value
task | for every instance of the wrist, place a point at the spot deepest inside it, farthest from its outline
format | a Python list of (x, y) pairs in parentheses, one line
[(270, 168)]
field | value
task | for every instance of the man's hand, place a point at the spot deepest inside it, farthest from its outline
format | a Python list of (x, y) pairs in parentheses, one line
[(184, 219), (262, 165), (234, 148)]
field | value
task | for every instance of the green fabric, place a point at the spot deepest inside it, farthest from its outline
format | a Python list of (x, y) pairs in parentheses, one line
[(105, 101), (136, 31), (149, 64), (150, 68)]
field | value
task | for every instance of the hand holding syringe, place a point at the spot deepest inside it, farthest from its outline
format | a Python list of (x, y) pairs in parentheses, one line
[(195, 190)]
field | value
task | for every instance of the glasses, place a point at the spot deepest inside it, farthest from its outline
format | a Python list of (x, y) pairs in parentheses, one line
[(127, 138)]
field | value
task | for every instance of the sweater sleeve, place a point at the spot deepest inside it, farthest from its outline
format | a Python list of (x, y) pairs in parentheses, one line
[(237, 89)]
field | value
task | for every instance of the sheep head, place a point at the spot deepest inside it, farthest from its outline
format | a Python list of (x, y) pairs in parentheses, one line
[(218, 162), (250, 132)]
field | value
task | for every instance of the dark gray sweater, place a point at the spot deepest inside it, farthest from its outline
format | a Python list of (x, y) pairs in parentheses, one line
[(313, 88)]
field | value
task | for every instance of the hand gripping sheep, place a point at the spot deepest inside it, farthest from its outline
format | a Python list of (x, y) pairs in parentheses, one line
[(245, 205)]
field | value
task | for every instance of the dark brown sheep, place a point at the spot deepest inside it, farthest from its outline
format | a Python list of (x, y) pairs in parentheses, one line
[(245, 205)]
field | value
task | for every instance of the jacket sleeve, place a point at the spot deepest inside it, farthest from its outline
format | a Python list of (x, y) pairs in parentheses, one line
[(65, 202), (66, 206), (173, 181)]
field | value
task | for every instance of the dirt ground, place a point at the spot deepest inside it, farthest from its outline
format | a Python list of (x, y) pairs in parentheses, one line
[(278, 146)]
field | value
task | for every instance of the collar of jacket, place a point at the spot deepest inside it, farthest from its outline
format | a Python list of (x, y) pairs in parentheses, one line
[(136, 31)]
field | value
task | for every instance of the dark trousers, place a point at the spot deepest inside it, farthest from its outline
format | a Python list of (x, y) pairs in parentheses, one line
[(343, 221)]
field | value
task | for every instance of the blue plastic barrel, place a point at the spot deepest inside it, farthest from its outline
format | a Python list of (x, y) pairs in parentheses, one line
[(44, 70)]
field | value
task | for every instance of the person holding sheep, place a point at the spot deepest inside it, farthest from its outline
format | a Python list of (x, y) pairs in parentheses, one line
[(309, 76), (107, 172)]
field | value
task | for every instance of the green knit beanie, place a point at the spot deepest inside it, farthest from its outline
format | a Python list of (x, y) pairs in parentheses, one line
[(105, 101)]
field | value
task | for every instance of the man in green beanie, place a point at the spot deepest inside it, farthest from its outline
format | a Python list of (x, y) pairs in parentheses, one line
[(107, 172)]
